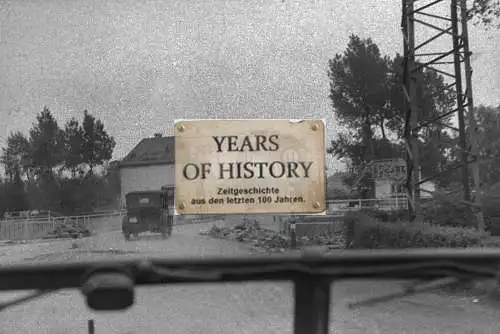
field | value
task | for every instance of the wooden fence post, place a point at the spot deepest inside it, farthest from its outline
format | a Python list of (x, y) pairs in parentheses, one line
[(26, 230)]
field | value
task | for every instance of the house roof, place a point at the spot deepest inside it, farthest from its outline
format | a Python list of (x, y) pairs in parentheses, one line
[(151, 151), (143, 192)]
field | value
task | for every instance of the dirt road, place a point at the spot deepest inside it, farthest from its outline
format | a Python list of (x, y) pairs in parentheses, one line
[(230, 308)]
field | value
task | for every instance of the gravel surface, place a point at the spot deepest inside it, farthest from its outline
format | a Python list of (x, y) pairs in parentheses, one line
[(227, 308)]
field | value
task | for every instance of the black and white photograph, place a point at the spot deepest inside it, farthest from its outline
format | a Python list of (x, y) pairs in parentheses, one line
[(249, 166)]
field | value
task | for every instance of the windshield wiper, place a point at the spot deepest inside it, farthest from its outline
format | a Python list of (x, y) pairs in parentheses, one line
[(460, 274), (408, 291), (30, 297)]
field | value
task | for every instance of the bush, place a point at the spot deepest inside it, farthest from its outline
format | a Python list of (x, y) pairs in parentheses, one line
[(249, 231), (69, 230), (388, 216), (447, 210), (363, 231), (491, 214)]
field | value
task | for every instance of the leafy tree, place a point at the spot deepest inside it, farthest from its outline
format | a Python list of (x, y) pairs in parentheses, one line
[(73, 141), (36, 196), (47, 153), (435, 100), (47, 142), (17, 196), (351, 150), (359, 90), (485, 12), (43, 156), (435, 159), (12, 194), (15, 155), (3, 197), (368, 100), (488, 143), (435, 141), (98, 145)]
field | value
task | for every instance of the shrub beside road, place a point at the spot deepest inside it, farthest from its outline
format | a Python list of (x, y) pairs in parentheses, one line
[(264, 240), (70, 229), (363, 230)]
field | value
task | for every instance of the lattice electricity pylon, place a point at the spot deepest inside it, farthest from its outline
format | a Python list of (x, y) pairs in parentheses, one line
[(418, 13)]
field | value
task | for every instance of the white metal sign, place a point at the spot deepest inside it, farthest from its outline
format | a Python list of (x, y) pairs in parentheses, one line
[(392, 169), (249, 166)]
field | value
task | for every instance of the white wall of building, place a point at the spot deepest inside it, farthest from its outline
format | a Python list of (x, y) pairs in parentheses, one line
[(383, 188), (429, 186), (142, 178)]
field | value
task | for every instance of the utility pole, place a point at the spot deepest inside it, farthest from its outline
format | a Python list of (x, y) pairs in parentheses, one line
[(473, 128), (456, 28), (460, 101), (411, 76)]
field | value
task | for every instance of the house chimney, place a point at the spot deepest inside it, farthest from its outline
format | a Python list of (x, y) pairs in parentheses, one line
[(158, 135)]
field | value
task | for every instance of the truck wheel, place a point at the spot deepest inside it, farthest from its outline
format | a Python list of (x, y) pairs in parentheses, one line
[(126, 235)]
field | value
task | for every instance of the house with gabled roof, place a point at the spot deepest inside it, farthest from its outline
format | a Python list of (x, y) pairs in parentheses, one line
[(149, 166)]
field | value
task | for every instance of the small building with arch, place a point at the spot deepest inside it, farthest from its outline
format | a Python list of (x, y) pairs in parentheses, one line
[(390, 179)]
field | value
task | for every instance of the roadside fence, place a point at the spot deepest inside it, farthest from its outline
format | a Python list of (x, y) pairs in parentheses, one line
[(384, 204), (36, 228)]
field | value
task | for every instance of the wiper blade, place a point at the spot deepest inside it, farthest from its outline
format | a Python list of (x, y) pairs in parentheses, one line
[(458, 272), (30, 297), (408, 291), (150, 271)]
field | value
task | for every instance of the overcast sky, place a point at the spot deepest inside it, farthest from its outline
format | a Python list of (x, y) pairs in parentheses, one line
[(139, 65)]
